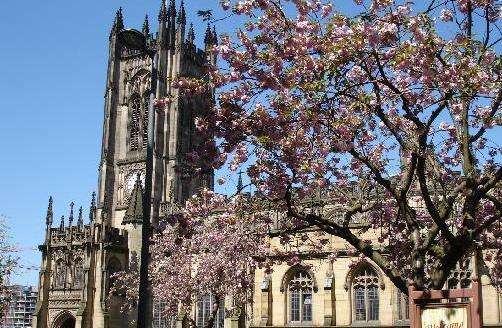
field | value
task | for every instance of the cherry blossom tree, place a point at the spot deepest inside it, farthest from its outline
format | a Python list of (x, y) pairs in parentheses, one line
[(389, 114)]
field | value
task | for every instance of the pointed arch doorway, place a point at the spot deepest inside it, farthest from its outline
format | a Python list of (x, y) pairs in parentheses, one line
[(65, 320)]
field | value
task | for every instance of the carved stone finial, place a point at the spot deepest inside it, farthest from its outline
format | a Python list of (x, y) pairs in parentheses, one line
[(208, 38), (163, 12), (146, 27), (50, 213), (172, 9), (61, 225), (118, 23), (92, 210), (182, 15), (191, 35), (70, 219), (80, 221)]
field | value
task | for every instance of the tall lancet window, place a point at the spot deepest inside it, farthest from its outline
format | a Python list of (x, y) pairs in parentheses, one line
[(134, 123), (146, 103)]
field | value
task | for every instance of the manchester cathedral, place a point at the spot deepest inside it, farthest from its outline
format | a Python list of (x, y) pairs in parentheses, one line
[(80, 255)]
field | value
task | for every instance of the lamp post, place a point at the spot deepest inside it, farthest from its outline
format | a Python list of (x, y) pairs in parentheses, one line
[(135, 40)]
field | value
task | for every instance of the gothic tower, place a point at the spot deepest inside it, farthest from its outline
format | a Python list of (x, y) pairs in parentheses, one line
[(78, 261)]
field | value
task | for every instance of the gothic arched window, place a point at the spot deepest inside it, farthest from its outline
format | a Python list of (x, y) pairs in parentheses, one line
[(78, 274), (134, 123), (300, 289), (205, 307), (365, 295)]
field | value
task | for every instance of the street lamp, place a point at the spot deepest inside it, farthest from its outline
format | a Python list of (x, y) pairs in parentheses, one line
[(135, 40)]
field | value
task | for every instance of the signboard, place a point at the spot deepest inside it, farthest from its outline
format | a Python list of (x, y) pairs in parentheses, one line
[(445, 317), (450, 308)]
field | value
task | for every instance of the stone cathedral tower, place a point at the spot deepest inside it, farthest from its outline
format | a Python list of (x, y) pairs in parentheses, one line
[(78, 260)]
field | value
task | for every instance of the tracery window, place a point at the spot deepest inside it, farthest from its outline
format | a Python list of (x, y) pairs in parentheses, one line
[(300, 289), (205, 307), (365, 295), (403, 309), (134, 123), (78, 275)]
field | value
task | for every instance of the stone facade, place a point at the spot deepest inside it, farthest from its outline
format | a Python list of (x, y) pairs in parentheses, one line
[(78, 261)]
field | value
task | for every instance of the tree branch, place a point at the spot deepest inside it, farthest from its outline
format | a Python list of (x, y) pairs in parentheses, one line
[(493, 111)]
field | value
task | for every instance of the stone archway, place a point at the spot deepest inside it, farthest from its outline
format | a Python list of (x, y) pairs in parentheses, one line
[(65, 320)]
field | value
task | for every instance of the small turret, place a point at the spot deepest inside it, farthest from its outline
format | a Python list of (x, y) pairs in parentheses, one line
[(50, 214), (92, 209), (80, 221), (134, 213), (70, 219), (146, 27)]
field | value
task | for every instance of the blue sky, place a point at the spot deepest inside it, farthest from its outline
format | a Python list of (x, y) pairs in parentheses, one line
[(53, 65)]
